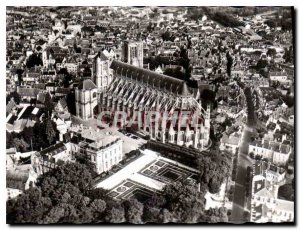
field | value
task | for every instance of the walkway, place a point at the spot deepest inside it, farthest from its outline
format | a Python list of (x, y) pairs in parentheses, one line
[(127, 172)]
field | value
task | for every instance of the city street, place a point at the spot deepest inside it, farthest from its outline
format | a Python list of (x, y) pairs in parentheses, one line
[(243, 162), (239, 192)]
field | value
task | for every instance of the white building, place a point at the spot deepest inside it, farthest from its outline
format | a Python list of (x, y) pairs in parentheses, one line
[(12, 193), (279, 76), (278, 153), (265, 205), (104, 150)]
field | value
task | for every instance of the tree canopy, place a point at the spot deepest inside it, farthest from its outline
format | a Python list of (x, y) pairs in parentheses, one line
[(66, 195), (34, 60)]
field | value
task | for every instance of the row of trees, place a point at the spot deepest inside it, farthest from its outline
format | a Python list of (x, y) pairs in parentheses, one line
[(224, 18), (65, 195)]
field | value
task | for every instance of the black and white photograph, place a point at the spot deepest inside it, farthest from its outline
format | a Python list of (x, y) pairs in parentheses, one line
[(140, 115)]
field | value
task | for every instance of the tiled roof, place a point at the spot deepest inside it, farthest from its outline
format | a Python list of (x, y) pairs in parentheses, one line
[(154, 79), (53, 149), (28, 92), (87, 85)]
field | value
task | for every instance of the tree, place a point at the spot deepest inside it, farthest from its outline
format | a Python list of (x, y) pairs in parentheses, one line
[(67, 77), (271, 52), (217, 215), (134, 211), (261, 64), (257, 157), (74, 174), (28, 208), (98, 193), (286, 192), (34, 60), (70, 99), (19, 73), (176, 73), (115, 213), (251, 154), (214, 169), (15, 96), (50, 131), (229, 63), (184, 202), (151, 214), (98, 205), (55, 32), (49, 106)]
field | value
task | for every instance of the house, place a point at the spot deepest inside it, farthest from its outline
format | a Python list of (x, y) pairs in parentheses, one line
[(265, 205), (231, 142), (277, 152), (62, 125), (23, 117), (231, 111), (50, 157), (61, 106), (28, 93), (281, 77)]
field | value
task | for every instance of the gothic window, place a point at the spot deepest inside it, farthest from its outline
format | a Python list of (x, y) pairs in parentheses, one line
[(94, 94)]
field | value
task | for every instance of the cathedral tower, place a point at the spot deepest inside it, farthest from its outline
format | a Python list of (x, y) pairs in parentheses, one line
[(102, 75), (86, 100), (133, 53)]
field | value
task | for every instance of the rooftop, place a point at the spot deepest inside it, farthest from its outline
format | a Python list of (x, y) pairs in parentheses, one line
[(155, 79), (87, 85), (95, 138)]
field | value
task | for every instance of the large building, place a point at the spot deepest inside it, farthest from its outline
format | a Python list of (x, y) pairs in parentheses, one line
[(265, 204), (277, 152), (135, 89), (103, 150)]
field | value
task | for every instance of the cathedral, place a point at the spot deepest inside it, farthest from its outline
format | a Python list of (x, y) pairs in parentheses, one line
[(129, 88)]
